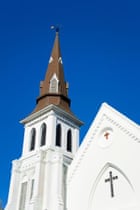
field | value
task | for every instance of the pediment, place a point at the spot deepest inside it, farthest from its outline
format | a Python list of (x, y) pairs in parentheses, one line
[(108, 123), (110, 149), (109, 134)]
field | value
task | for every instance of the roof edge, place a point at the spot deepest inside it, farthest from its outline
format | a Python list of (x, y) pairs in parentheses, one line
[(107, 107)]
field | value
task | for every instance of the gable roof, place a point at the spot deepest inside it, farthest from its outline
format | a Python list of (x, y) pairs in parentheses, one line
[(107, 117)]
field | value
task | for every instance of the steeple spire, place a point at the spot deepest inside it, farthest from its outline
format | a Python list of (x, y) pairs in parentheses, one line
[(54, 89)]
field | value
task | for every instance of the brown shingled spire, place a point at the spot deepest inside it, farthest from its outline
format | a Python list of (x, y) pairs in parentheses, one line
[(54, 89)]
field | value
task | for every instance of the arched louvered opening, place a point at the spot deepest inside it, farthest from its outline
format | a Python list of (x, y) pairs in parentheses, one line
[(58, 135), (43, 134), (32, 141), (54, 86), (69, 141)]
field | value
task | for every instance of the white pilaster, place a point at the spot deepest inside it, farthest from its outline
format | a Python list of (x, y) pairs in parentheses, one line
[(51, 128), (13, 190)]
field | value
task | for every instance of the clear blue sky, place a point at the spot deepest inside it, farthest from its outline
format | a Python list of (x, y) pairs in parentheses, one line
[(100, 44)]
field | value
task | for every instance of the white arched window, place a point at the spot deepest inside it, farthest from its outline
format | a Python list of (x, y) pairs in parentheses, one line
[(32, 139), (23, 194), (69, 141), (32, 188), (43, 134), (58, 135)]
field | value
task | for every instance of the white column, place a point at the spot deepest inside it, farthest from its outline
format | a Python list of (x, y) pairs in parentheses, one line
[(75, 140), (25, 147), (51, 129), (53, 182), (46, 190), (14, 187), (36, 195)]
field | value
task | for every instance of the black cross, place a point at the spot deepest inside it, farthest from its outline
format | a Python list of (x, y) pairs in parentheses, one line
[(110, 179)]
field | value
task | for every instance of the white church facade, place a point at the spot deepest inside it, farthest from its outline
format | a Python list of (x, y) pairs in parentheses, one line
[(55, 173)]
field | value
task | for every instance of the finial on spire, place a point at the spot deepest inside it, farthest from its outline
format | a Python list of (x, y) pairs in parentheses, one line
[(56, 28)]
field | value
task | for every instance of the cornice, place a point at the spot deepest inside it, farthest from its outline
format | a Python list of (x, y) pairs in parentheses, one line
[(54, 109)]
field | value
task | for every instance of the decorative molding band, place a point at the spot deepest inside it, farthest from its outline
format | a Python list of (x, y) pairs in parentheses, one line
[(54, 109), (123, 129)]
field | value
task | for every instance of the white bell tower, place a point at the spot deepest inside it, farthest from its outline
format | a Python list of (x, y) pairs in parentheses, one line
[(51, 138)]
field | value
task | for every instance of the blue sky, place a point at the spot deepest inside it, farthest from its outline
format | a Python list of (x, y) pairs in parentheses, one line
[(100, 44)]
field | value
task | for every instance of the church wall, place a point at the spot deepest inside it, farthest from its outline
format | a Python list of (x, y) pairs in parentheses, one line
[(96, 158)]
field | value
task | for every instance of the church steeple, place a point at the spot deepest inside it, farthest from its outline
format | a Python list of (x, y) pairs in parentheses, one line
[(51, 139), (54, 89)]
